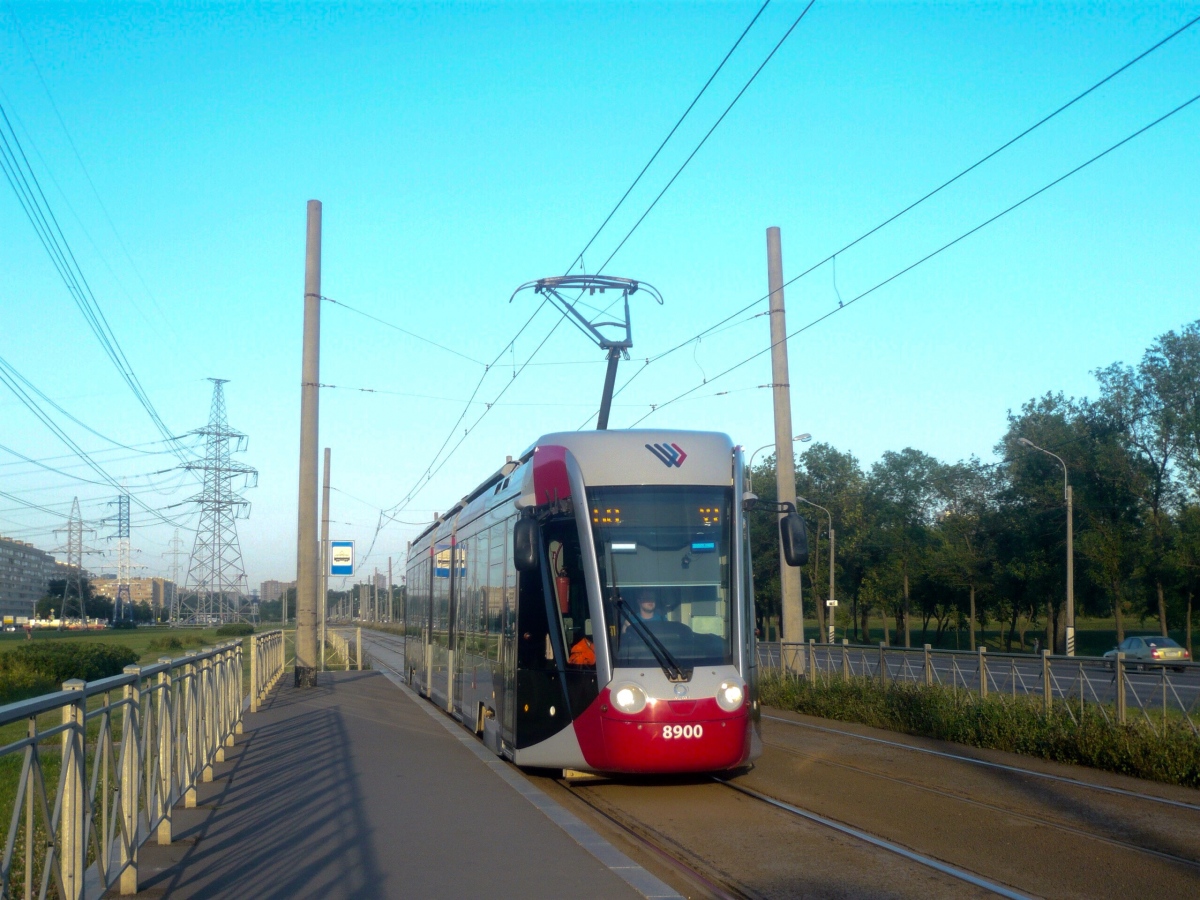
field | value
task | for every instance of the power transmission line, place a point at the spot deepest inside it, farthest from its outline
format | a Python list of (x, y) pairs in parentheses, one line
[(932, 254), (28, 190), (579, 259), (832, 257), (411, 334), (91, 183), (58, 432), (435, 466)]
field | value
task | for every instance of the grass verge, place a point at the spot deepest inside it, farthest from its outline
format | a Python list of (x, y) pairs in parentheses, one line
[(996, 722)]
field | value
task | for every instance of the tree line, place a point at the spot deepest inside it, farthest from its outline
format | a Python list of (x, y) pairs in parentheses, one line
[(922, 543)]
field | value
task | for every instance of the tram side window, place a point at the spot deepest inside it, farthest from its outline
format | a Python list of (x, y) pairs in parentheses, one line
[(495, 589)]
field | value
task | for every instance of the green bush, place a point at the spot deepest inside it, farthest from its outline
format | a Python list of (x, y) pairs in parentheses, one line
[(235, 629), (59, 661), (22, 684), (998, 722)]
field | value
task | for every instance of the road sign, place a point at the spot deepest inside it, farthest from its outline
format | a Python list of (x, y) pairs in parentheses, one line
[(341, 557), (831, 603)]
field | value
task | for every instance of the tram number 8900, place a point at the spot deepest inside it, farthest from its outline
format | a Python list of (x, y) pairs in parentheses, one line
[(670, 732)]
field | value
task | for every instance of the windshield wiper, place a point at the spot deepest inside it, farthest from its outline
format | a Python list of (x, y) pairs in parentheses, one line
[(669, 664)]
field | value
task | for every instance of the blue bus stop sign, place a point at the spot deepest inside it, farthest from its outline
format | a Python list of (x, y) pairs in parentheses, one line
[(341, 557)]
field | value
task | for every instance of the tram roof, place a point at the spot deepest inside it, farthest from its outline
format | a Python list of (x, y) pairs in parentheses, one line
[(647, 456), (626, 457)]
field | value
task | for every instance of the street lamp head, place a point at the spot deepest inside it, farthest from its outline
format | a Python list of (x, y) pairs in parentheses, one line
[(1025, 441), (803, 438)]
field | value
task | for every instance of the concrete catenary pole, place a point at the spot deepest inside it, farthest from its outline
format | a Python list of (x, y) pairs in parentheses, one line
[(390, 603), (322, 612), (785, 465), (308, 559)]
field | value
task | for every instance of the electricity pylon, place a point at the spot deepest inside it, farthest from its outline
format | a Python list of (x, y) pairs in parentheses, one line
[(175, 551), (123, 604), (73, 584), (216, 580)]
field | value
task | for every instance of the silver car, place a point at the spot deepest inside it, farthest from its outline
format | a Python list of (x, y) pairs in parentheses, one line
[(1150, 648)]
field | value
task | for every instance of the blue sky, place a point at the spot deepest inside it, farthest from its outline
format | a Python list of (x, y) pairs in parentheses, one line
[(462, 149)]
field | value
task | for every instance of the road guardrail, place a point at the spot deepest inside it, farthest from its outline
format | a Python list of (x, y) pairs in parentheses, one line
[(1161, 693)]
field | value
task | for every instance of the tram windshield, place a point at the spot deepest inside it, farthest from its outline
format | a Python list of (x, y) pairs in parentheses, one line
[(664, 556)]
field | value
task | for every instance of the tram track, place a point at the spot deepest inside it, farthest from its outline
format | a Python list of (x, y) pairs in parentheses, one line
[(994, 808), (1017, 770), (897, 849), (716, 883)]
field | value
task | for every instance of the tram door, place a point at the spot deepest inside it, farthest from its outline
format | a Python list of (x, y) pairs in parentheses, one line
[(508, 644)]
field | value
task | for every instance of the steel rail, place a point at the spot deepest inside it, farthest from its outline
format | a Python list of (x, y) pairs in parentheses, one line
[(1033, 773), (928, 861), (1003, 810), (662, 854)]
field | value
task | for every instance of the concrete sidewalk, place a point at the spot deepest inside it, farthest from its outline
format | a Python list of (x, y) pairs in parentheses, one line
[(353, 789)]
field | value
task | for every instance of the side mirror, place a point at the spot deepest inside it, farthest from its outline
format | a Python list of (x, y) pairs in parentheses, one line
[(794, 538), (526, 536)]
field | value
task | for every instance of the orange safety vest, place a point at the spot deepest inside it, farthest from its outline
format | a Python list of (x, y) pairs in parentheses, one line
[(582, 654)]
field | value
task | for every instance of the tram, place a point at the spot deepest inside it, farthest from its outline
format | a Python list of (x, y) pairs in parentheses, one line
[(590, 606)]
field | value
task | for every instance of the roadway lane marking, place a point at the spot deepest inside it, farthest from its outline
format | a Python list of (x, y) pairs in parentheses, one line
[(609, 856)]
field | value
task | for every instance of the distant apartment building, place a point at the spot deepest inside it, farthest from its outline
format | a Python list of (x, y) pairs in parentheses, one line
[(273, 590), (158, 592), (25, 575)]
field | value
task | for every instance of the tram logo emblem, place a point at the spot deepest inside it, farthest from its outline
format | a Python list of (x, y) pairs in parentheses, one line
[(668, 454)]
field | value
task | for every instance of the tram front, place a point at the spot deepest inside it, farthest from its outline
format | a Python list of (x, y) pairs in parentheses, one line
[(650, 564)]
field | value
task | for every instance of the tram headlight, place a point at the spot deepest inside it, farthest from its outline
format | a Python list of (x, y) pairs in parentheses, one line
[(629, 698), (730, 696)]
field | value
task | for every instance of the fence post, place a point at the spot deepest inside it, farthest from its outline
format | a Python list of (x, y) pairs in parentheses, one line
[(928, 665), (812, 660), (131, 780), (189, 697), (883, 672), (1120, 672), (166, 753), (1047, 692), (254, 674), (207, 725), (358, 649), (983, 676), (845, 659), (74, 804), (239, 719)]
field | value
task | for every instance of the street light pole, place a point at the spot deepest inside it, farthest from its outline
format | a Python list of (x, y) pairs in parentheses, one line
[(802, 438), (1068, 495), (831, 603)]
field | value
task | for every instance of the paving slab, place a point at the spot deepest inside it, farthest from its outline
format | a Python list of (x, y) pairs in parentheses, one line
[(355, 789)]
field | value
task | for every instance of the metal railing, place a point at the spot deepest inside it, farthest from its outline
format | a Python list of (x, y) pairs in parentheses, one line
[(1160, 693), (127, 750), (267, 659), (340, 642)]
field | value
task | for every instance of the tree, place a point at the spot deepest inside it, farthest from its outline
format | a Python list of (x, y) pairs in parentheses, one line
[(963, 553), (833, 479), (1142, 405), (904, 490)]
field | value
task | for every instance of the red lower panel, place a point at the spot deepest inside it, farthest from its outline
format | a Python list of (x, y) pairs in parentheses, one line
[(663, 737)]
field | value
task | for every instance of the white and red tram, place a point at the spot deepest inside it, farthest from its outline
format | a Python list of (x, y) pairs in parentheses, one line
[(590, 606)]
